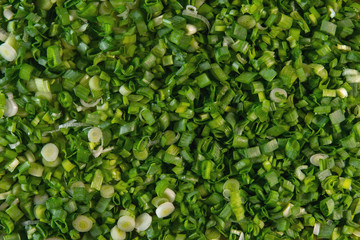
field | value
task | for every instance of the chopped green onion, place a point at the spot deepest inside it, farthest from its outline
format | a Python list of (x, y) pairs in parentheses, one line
[(314, 159), (95, 135), (107, 191), (126, 223), (169, 194), (50, 152), (164, 210), (278, 95), (82, 223), (7, 52), (11, 108), (143, 222), (179, 120), (117, 234)]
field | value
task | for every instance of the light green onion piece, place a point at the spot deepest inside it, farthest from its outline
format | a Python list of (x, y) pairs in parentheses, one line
[(231, 184), (352, 75), (94, 83), (165, 210), (4, 195), (126, 223), (124, 90), (278, 95), (8, 14), (287, 210), (107, 191), (77, 184), (342, 92), (247, 21), (50, 152), (95, 135), (51, 163), (97, 181), (8, 52), (36, 169), (42, 85), (236, 205), (11, 108), (298, 172), (319, 70), (41, 199), (212, 234), (157, 201), (82, 223), (12, 165), (316, 229), (143, 222), (190, 29), (117, 234), (169, 194), (314, 159)]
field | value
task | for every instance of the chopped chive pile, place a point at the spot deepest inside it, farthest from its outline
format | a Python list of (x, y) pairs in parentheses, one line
[(177, 120)]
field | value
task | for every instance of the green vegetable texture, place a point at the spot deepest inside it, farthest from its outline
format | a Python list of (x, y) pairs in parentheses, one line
[(176, 120)]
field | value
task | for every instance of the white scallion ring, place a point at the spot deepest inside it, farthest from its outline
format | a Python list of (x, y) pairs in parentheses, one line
[(143, 222), (126, 223), (278, 91), (50, 152), (82, 223), (165, 210)]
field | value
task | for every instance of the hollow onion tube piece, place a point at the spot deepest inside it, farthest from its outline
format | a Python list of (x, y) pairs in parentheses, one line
[(165, 210), (274, 95), (82, 223), (126, 223), (50, 152), (143, 222), (117, 234)]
